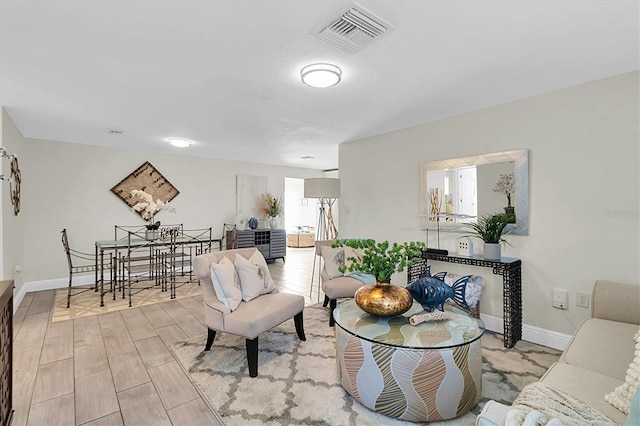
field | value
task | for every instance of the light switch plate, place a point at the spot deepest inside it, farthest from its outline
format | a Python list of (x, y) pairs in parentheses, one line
[(465, 247)]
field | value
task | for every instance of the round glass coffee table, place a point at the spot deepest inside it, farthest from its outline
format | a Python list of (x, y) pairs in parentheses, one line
[(423, 373)]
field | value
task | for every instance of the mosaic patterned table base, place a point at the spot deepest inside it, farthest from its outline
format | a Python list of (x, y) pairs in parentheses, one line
[(413, 385)]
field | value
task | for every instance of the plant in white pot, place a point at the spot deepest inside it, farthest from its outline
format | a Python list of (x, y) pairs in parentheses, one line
[(490, 228)]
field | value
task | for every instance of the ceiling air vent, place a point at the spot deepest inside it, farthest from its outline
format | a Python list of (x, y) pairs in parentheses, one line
[(353, 29)]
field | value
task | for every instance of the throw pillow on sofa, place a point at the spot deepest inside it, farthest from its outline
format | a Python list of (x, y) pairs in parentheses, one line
[(226, 283), (621, 396), (255, 279)]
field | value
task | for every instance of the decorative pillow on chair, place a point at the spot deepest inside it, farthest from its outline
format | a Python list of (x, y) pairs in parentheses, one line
[(255, 279), (333, 259), (226, 283), (622, 395), (351, 253)]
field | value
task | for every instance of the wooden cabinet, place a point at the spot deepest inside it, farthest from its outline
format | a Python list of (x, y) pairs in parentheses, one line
[(301, 239), (270, 242), (6, 352)]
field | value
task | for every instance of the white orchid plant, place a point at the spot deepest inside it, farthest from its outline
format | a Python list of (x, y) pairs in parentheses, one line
[(148, 208), (506, 185)]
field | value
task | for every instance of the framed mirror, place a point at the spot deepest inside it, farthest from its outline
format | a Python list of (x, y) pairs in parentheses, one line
[(460, 190)]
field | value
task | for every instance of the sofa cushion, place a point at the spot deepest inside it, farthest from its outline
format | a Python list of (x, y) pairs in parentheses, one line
[(602, 346), (622, 395), (585, 385), (254, 276), (225, 282)]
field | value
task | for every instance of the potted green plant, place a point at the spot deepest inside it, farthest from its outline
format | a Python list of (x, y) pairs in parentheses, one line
[(490, 228), (381, 259)]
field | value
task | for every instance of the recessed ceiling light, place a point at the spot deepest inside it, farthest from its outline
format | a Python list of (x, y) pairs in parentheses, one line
[(179, 142), (321, 75), (308, 157)]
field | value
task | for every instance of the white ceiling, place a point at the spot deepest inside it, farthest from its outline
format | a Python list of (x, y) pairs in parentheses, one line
[(226, 74)]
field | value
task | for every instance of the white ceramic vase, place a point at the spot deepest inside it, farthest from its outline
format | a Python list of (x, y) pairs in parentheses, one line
[(492, 251), (273, 222)]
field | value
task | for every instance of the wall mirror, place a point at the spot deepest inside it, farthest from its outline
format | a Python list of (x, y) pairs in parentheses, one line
[(460, 190)]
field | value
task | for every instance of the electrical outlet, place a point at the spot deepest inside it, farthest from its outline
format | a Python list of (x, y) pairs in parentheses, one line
[(582, 299)]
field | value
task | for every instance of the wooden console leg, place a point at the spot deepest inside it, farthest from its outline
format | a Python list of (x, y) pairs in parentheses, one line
[(252, 356)]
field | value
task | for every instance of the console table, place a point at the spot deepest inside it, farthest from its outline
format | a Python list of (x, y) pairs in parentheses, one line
[(511, 270)]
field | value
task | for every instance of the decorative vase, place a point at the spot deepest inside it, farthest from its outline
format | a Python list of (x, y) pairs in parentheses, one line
[(273, 222), (510, 210), (151, 234), (492, 251), (383, 299)]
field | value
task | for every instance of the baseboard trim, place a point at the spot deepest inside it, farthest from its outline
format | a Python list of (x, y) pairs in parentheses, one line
[(49, 285), (530, 333)]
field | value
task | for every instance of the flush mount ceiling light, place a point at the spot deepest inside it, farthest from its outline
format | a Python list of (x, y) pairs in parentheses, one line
[(179, 142), (321, 75)]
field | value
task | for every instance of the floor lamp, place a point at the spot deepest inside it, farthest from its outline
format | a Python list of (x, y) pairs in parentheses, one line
[(327, 191)]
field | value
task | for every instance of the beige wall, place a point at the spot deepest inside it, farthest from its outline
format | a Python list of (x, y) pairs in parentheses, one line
[(12, 226), (584, 189), (68, 185)]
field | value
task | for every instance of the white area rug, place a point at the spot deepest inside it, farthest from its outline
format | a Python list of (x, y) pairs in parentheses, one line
[(297, 382)]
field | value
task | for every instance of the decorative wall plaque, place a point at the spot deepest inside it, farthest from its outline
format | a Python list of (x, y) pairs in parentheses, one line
[(145, 178)]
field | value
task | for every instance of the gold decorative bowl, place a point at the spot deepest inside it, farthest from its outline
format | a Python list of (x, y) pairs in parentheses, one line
[(383, 299)]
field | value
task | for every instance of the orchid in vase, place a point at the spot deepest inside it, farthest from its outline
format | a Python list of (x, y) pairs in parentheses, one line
[(148, 208)]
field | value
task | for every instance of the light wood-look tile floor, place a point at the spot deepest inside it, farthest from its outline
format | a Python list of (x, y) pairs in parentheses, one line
[(115, 368)]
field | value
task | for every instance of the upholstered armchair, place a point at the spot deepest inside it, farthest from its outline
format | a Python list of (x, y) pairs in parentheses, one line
[(248, 309), (335, 285)]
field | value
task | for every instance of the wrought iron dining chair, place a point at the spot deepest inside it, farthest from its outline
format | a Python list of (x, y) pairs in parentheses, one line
[(81, 263)]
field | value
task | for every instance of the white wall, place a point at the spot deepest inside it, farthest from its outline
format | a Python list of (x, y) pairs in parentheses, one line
[(12, 243), (68, 185), (584, 189)]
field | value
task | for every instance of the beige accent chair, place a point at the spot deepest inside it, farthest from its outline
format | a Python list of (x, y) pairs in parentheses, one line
[(335, 288), (249, 319)]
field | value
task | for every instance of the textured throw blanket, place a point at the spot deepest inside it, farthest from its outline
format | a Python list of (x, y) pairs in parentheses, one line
[(361, 276)]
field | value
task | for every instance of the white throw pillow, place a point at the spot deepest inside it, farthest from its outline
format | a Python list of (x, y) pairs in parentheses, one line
[(333, 259), (622, 396), (226, 283), (255, 279)]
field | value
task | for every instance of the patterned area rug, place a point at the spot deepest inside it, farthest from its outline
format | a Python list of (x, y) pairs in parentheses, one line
[(298, 384), (88, 303)]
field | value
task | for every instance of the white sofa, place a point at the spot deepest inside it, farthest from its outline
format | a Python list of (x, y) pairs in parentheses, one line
[(597, 358)]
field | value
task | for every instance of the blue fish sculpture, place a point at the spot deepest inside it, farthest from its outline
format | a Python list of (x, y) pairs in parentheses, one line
[(431, 291)]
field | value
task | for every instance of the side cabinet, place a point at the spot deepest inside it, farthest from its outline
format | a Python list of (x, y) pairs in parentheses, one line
[(272, 243), (6, 352)]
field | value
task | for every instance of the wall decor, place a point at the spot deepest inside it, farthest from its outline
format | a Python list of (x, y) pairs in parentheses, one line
[(249, 190), (145, 178), (15, 178)]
